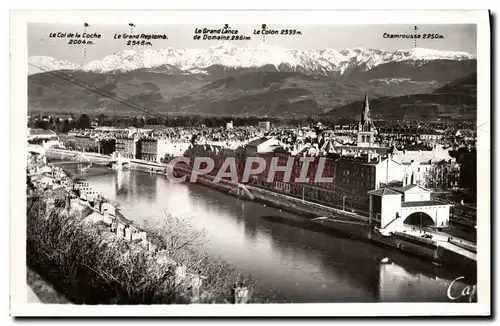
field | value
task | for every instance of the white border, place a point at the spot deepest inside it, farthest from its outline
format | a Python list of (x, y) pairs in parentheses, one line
[(18, 109)]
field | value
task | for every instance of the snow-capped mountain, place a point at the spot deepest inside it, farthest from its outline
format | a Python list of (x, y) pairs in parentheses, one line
[(38, 64), (229, 55)]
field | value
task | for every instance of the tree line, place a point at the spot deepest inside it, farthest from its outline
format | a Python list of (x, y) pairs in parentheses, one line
[(84, 121), (60, 125)]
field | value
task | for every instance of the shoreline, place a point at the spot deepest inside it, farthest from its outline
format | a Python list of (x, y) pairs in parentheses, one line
[(346, 223), (105, 217), (352, 226)]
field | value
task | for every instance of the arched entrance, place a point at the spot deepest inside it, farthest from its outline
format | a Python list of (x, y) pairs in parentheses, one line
[(419, 219)]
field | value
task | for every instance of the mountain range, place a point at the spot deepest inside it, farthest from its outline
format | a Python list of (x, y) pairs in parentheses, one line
[(328, 61), (225, 79), (48, 64)]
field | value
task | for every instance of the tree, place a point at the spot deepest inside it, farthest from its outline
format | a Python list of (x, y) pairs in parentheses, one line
[(84, 122), (177, 237), (102, 118), (42, 124)]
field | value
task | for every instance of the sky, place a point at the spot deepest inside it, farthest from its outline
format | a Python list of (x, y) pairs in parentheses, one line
[(314, 37)]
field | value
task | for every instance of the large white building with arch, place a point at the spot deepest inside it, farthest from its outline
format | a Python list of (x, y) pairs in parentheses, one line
[(393, 207)]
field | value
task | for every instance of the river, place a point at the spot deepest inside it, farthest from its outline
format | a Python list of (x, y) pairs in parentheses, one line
[(289, 263)]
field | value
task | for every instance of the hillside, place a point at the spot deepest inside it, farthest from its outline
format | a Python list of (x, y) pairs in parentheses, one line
[(290, 93), (421, 70), (268, 93), (49, 93), (467, 85), (455, 100)]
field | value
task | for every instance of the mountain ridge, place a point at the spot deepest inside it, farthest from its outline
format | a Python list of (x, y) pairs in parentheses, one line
[(325, 61)]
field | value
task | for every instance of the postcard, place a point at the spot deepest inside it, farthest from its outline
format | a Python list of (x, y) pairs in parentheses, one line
[(250, 163)]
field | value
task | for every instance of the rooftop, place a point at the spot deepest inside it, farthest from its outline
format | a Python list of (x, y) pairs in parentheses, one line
[(408, 187), (422, 203), (257, 142), (384, 192), (40, 132), (154, 127), (434, 155)]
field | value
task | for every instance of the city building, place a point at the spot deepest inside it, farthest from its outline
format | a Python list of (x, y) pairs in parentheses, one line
[(126, 147), (84, 143), (393, 207), (152, 149), (260, 145), (148, 149), (431, 137), (434, 168), (106, 146), (351, 179), (153, 127), (265, 125)]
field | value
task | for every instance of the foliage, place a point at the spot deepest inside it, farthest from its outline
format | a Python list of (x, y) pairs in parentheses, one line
[(181, 121), (442, 175), (182, 242), (88, 265), (84, 122)]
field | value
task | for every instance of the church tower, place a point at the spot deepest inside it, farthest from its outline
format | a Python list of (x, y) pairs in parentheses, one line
[(366, 130)]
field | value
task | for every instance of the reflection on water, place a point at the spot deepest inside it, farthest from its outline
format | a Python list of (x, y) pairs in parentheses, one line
[(304, 265)]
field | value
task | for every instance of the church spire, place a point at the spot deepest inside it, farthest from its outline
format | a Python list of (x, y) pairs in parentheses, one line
[(366, 109), (365, 121)]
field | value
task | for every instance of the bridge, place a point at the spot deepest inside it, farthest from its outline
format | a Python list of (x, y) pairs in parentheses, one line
[(70, 157), (121, 163), (410, 205)]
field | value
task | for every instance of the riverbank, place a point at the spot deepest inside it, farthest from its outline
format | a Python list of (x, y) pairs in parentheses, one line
[(94, 239), (276, 248), (351, 224)]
